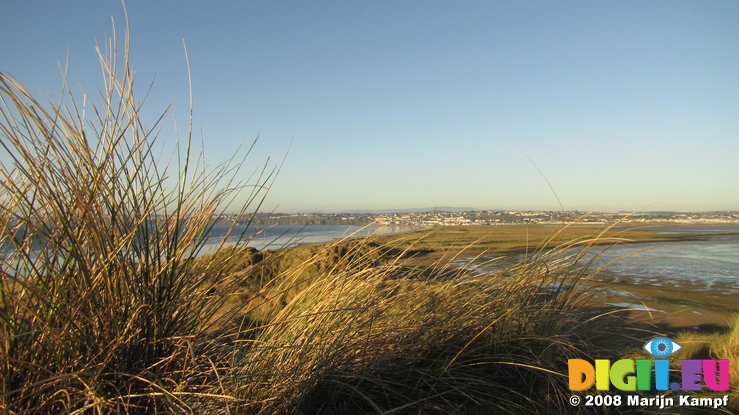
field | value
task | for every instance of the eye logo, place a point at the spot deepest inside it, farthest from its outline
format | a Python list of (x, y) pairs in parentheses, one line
[(650, 373), (661, 347)]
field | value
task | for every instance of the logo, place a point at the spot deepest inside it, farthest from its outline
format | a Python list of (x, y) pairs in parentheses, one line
[(649, 374), (661, 347)]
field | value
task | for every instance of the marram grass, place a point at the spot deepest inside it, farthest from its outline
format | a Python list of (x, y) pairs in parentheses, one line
[(98, 312)]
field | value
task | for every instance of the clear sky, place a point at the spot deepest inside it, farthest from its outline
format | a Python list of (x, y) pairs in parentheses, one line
[(624, 105)]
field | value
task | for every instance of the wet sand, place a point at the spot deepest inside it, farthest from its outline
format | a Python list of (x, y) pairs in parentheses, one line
[(671, 304), (675, 305)]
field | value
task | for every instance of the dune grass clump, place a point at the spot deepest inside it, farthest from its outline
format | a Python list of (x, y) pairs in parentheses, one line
[(715, 346), (99, 309), (387, 338)]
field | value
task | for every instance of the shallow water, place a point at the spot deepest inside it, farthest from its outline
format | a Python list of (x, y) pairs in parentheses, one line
[(284, 236), (712, 262), (271, 237)]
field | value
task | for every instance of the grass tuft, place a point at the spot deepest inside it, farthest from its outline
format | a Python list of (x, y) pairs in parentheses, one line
[(100, 309), (368, 337)]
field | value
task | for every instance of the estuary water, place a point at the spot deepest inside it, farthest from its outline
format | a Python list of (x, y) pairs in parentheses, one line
[(285, 236), (712, 261), (272, 236)]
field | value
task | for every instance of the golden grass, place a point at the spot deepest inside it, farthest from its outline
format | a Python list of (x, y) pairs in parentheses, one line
[(361, 335), (97, 311), (715, 346)]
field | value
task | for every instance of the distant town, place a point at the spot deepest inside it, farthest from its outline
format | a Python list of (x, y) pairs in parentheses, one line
[(439, 217)]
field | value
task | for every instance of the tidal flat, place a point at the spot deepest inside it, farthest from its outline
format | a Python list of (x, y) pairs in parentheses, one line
[(671, 304), (632, 276)]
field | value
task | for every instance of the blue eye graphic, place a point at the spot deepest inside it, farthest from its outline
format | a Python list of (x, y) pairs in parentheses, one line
[(661, 347)]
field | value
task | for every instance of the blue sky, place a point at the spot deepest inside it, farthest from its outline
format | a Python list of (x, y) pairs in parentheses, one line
[(624, 105)]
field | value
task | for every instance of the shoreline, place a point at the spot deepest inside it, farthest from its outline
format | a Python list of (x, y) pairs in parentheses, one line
[(679, 306), (617, 237)]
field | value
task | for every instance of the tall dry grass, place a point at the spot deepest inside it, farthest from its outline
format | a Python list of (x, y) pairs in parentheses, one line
[(386, 338), (715, 346), (98, 309)]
